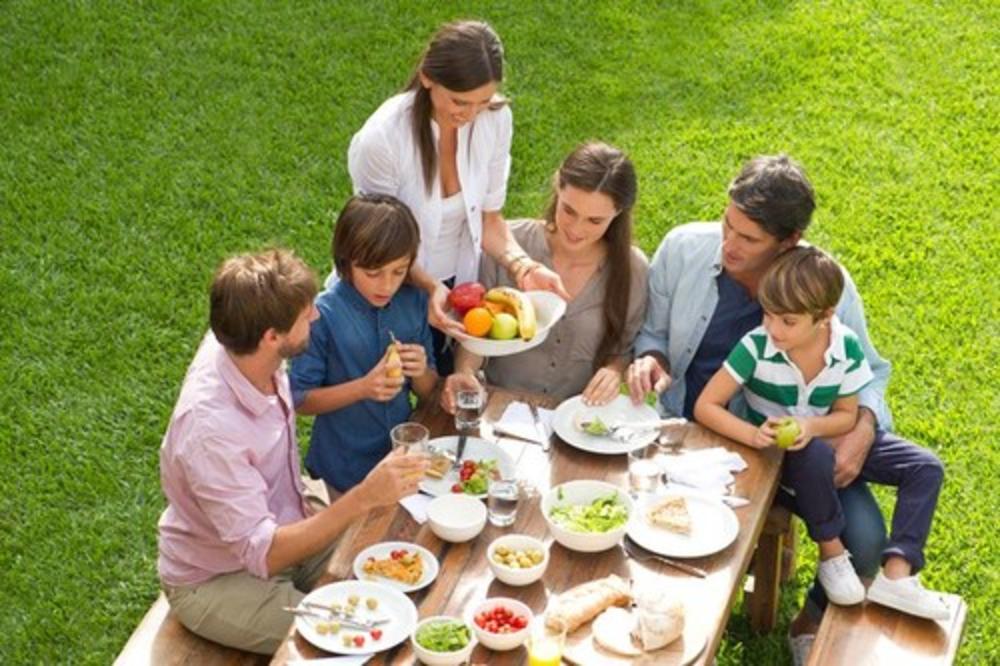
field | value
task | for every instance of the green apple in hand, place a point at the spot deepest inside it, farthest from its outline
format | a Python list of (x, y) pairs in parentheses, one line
[(786, 432)]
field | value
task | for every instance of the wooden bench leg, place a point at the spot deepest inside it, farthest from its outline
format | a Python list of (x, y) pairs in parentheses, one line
[(773, 562)]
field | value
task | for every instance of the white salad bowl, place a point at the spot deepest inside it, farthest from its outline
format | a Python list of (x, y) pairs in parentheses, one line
[(584, 492), (432, 658)]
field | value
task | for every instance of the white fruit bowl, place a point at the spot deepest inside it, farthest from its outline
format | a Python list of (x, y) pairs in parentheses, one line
[(456, 518), (585, 492), (498, 641), (549, 309)]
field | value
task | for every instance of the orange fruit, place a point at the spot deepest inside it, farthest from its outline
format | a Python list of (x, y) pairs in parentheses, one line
[(478, 322)]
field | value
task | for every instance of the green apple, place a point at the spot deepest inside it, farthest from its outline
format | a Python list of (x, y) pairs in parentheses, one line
[(786, 432), (504, 326)]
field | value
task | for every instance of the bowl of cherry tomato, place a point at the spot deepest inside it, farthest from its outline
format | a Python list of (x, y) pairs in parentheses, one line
[(501, 623)]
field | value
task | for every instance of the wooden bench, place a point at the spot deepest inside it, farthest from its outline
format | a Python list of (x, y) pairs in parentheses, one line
[(872, 634), (160, 640), (773, 563)]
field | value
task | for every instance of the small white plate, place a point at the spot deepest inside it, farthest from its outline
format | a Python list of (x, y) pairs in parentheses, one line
[(713, 527), (549, 309), (381, 551), (475, 449), (619, 410), (392, 604)]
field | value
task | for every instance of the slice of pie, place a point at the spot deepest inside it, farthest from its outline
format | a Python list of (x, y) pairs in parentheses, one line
[(402, 565), (670, 513)]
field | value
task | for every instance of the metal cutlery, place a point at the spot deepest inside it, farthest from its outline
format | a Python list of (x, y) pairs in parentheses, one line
[(637, 552), (539, 428), (331, 617), (463, 437)]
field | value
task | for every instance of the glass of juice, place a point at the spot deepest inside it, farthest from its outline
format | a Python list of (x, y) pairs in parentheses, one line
[(545, 643)]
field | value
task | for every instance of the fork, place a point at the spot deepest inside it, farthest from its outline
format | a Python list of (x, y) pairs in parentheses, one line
[(637, 552)]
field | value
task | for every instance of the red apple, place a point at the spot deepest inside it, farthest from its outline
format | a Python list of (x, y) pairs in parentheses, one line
[(466, 296)]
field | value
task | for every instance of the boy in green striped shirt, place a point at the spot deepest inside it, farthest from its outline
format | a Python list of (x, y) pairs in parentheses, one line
[(804, 365)]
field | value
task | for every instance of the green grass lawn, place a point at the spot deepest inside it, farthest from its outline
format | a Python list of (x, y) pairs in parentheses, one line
[(142, 143)]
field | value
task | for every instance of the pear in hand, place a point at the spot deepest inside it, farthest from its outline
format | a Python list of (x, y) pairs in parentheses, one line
[(393, 364)]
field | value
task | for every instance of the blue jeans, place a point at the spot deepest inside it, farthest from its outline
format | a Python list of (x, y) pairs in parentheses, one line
[(864, 535)]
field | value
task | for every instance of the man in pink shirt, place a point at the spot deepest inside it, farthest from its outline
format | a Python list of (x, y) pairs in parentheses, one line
[(238, 539)]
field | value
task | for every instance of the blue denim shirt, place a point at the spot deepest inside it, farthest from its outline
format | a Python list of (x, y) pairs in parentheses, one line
[(345, 343), (683, 294)]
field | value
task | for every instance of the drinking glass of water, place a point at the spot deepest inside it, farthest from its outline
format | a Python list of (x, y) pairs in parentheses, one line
[(410, 437), (501, 502), (644, 472), (469, 405)]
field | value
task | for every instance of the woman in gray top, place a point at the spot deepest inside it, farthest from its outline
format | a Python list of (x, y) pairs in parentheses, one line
[(586, 238)]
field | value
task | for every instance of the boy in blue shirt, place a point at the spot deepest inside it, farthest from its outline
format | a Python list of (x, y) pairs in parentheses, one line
[(346, 377)]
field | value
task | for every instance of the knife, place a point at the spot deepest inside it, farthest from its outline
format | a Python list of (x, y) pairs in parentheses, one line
[(500, 432), (463, 437), (331, 617), (539, 428)]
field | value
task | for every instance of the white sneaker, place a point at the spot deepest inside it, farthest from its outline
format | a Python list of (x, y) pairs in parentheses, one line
[(908, 596), (841, 583), (800, 647)]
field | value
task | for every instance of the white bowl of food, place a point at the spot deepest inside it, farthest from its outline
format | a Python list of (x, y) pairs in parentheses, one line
[(518, 559), (587, 516), (456, 517), (502, 624), (549, 309), (442, 640)]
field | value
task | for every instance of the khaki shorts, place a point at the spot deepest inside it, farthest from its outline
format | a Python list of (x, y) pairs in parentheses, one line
[(243, 611)]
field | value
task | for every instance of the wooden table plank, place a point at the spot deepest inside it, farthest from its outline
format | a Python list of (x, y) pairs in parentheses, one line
[(465, 577)]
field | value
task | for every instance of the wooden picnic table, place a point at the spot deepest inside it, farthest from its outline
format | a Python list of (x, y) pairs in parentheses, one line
[(465, 578)]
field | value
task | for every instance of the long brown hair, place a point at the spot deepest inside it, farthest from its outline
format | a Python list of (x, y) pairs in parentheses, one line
[(462, 56), (598, 167)]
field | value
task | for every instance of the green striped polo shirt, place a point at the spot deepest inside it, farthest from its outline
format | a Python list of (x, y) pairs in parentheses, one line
[(773, 385)]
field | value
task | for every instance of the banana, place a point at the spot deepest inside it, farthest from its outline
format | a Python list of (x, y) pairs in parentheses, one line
[(522, 306)]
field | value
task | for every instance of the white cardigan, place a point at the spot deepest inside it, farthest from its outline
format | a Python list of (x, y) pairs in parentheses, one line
[(384, 159)]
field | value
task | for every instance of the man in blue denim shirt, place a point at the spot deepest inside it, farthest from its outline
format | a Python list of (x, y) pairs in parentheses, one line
[(702, 299)]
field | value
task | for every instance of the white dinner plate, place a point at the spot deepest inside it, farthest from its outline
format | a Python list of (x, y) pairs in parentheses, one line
[(382, 550), (713, 527), (392, 604), (475, 449), (619, 410)]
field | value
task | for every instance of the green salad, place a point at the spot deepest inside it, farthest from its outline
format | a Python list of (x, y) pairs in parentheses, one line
[(444, 636), (650, 399), (602, 515), (596, 427)]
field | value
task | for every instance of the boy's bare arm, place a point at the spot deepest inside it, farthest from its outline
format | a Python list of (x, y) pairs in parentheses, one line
[(710, 410), (841, 419)]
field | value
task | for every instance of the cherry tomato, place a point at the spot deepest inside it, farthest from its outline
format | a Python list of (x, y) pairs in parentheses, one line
[(456, 488), (359, 640), (376, 634)]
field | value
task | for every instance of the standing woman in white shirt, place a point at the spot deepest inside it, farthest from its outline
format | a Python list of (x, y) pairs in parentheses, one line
[(442, 147)]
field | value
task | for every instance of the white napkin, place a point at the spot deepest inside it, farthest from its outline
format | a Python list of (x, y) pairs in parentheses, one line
[(357, 660), (710, 470), (416, 504), (516, 420)]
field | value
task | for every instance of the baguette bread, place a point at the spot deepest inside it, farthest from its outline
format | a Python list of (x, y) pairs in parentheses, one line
[(583, 603)]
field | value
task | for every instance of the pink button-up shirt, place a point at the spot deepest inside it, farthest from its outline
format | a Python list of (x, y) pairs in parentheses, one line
[(229, 466)]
